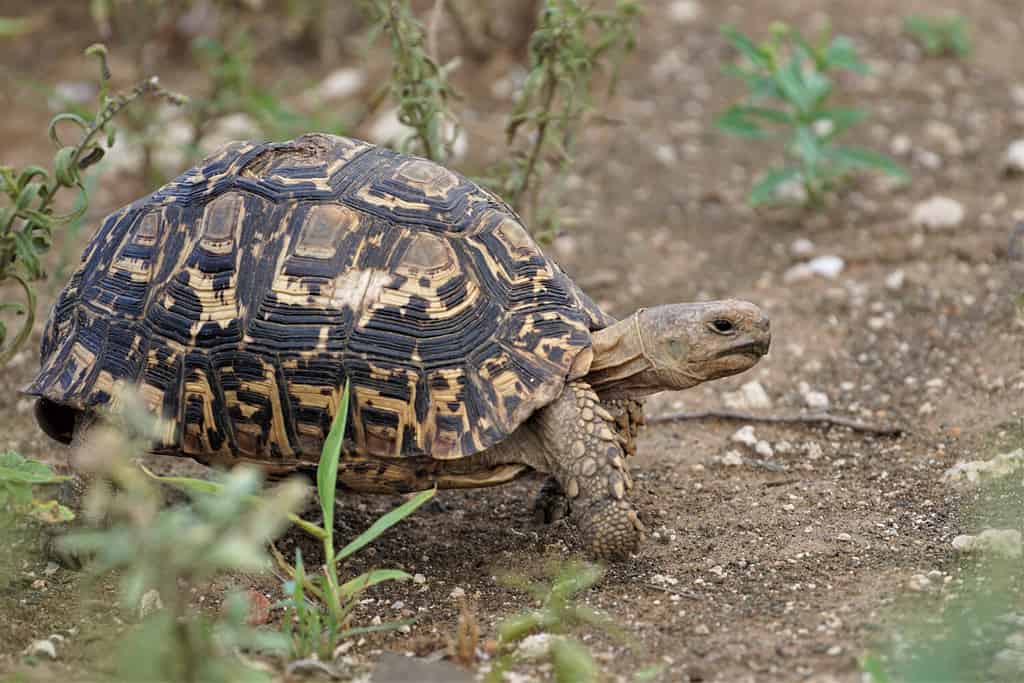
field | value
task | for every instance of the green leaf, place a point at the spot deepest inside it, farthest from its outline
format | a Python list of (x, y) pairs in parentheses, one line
[(807, 146), (371, 578), (51, 512), (386, 522), (841, 54), (790, 81), (841, 119), (735, 122), (327, 468), (766, 190), (17, 469), (747, 47), (865, 158), (376, 628), (573, 662)]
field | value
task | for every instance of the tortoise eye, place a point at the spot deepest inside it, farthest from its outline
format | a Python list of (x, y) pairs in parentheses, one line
[(723, 326)]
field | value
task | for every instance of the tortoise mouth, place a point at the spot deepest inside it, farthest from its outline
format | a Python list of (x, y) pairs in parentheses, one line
[(755, 349)]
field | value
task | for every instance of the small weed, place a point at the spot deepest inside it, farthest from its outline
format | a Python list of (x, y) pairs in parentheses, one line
[(318, 607), (19, 482), (790, 87), (171, 549), (940, 36), (558, 615), (569, 47), (28, 218), (418, 83)]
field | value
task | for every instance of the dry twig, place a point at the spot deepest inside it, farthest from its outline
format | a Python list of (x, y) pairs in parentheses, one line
[(805, 418)]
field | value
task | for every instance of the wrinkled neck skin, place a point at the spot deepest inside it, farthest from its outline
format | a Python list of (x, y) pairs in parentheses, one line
[(624, 367)]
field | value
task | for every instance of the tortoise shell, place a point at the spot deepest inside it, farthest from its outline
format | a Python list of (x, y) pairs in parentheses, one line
[(241, 296)]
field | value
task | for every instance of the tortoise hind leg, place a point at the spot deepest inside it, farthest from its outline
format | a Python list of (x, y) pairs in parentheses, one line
[(586, 458)]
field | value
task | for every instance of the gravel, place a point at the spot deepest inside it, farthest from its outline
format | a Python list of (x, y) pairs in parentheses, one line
[(938, 213)]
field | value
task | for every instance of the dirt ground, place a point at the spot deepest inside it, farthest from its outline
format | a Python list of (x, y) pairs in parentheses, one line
[(783, 568)]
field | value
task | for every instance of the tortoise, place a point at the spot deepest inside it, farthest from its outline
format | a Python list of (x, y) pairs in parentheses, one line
[(239, 298)]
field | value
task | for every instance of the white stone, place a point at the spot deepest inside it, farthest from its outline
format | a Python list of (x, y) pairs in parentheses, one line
[(536, 645), (828, 267), (801, 247), (894, 280), (338, 85), (844, 537), (900, 145), (749, 396), (745, 435), (42, 648), (457, 592), (764, 449), (938, 213), (816, 400), (684, 11), (732, 459), (974, 472), (419, 578), (701, 630), (1013, 162), (1005, 542)]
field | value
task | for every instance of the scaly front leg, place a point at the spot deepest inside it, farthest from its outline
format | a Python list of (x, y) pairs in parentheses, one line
[(585, 455)]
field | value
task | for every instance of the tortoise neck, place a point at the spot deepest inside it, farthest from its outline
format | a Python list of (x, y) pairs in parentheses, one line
[(622, 366)]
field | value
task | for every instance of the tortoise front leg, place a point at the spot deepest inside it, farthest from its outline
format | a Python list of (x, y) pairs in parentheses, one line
[(550, 503), (585, 455)]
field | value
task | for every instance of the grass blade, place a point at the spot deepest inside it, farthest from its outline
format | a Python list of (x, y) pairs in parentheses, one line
[(327, 470), (371, 578), (386, 522)]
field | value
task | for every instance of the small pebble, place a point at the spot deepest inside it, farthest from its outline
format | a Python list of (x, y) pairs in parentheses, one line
[(764, 449), (732, 459), (844, 537), (457, 592), (42, 648), (745, 435), (938, 213), (894, 280), (1013, 162)]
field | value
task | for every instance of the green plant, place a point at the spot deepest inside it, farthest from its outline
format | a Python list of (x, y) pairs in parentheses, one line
[(28, 218), (318, 607), (558, 615), (229, 64), (19, 481), (790, 87), (171, 549), (940, 36), (318, 626), (418, 83), (568, 48)]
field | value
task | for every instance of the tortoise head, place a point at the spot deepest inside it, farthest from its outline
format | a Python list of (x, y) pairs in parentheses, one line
[(692, 343), (677, 346)]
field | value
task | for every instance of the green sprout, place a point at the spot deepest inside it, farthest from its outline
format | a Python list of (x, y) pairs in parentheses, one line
[(791, 89)]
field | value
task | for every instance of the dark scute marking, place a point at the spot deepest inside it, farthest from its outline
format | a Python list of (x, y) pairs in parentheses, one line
[(221, 217)]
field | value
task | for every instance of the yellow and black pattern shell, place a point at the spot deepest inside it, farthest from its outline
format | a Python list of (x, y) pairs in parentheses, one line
[(241, 296)]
